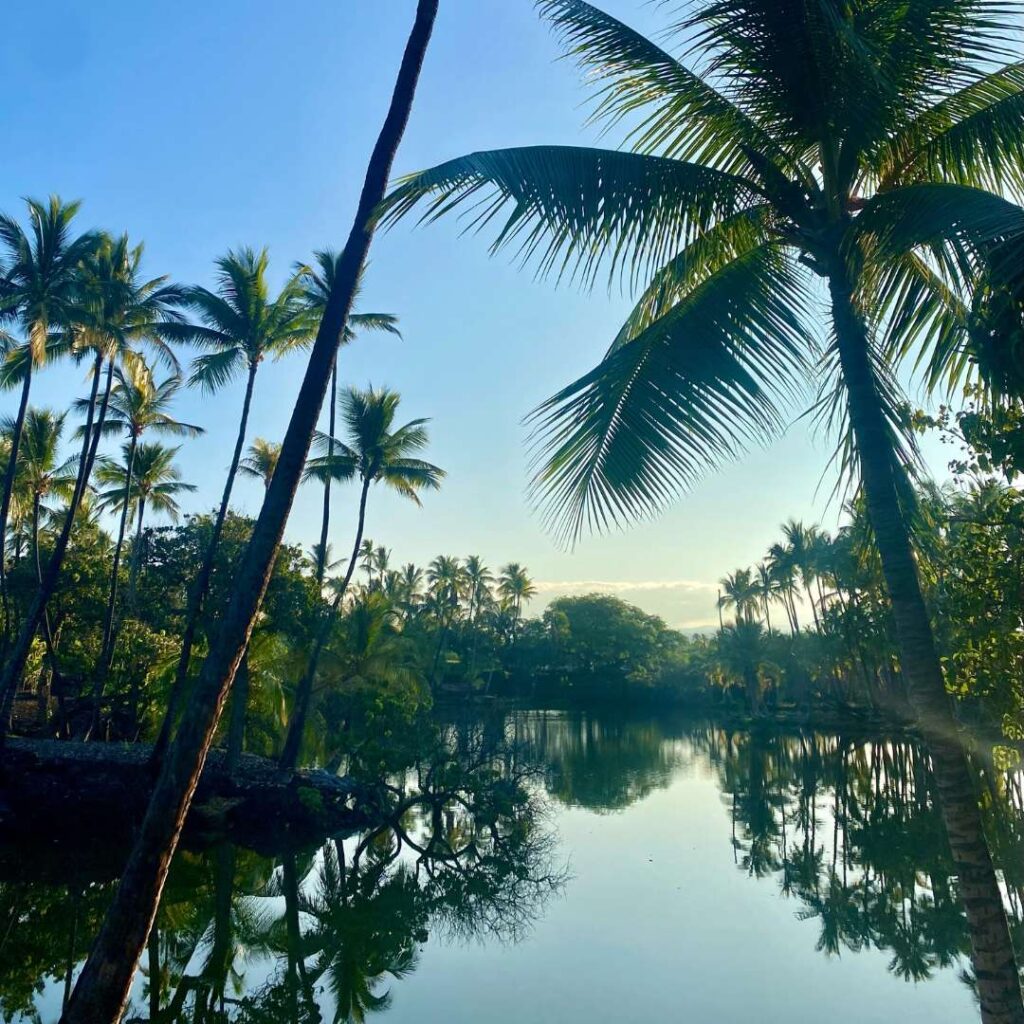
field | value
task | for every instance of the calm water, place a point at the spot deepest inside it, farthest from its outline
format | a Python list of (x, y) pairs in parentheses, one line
[(561, 868)]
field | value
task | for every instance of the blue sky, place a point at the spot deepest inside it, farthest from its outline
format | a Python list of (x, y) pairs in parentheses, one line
[(201, 126)]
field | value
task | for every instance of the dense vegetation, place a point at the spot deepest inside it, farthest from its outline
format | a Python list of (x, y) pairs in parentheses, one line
[(827, 197)]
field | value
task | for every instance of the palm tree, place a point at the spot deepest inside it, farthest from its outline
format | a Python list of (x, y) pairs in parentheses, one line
[(41, 475), (240, 326), (40, 287), (740, 591), (741, 651), (102, 989), (854, 144), (137, 404), (448, 582), (118, 311), (261, 461), (318, 280), (783, 571), (515, 585), (154, 482), (373, 451), (478, 580), (768, 590)]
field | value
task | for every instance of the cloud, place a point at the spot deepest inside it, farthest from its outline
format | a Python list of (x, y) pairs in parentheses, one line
[(621, 586)]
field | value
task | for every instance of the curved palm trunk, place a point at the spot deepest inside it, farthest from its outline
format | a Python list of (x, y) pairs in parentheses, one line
[(304, 691), (5, 501), (107, 650), (18, 656), (103, 986), (998, 981), (202, 582), (101, 415), (321, 562)]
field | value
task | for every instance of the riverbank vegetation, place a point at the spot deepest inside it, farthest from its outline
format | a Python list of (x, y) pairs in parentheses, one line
[(826, 202)]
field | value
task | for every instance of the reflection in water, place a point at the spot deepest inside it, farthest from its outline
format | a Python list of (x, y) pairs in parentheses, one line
[(847, 829)]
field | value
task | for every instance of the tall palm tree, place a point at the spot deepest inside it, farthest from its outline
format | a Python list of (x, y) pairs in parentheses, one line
[(240, 325), (154, 482), (102, 989), (447, 581), (741, 592), (515, 585), (137, 405), (853, 145), (768, 590), (118, 312), (40, 287), (317, 281), (42, 474), (261, 461), (374, 451)]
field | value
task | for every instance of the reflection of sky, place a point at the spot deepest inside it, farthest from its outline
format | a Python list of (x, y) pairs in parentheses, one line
[(260, 135), (656, 922)]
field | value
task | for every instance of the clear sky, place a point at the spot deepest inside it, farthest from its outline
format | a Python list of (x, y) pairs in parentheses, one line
[(200, 126)]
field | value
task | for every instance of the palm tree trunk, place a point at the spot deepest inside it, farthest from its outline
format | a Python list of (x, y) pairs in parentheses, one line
[(998, 981), (202, 582), (155, 981), (51, 651), (104, 983), (321, 562), (18, 656), (101, 416), (133, 572), (304, 691), (107, 650), (5, 502)]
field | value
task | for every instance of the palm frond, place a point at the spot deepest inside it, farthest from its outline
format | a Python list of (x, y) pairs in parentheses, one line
[(575, 209), (693, 389)]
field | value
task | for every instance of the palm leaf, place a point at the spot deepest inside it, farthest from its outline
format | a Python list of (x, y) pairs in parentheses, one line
[(574, 209), (693, 389)]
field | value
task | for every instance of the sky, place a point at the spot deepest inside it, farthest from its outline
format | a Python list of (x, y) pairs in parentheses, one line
[(199, 127)]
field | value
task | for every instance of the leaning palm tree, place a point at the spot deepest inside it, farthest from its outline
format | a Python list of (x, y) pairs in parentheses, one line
[(849, 149), (240, 325), (137, 405), (317, 281), (40, 287), (103, 986), (154, 483), (261, 461), (373, 451)]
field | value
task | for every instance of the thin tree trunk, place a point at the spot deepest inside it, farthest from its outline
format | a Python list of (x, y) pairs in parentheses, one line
[(5, 501), (101, 416), (202, 582), (103, 986), (51, 650), (107, 650), (155, 981), (304, 691), (321, 562), (136, 566), (998, 981)]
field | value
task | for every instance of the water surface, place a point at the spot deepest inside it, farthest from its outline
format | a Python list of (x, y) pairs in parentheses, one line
[(567, 868)]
